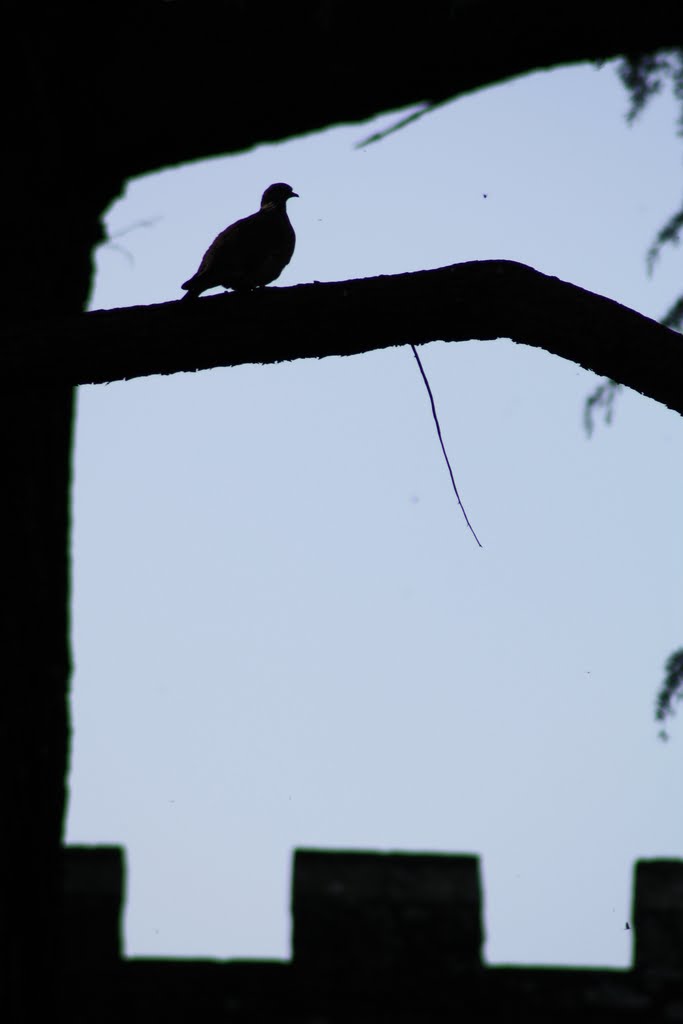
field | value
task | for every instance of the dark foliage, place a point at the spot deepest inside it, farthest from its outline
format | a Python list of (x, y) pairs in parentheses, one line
[(672, 688), (644, 76), (674, 317), (602, 399)]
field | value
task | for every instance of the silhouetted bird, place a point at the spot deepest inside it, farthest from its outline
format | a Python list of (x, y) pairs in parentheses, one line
[(252, 251)]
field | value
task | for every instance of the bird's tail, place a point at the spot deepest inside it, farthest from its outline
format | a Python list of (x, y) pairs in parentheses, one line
[(191, 291)]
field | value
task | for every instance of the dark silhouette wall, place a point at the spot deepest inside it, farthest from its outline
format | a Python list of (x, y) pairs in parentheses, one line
[(376, 937)]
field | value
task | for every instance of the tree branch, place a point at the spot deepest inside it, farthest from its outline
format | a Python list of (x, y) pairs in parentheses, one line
[(170, 82), (479, 300)]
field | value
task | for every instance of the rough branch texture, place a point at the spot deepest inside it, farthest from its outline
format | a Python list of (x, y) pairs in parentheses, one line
[(482, 300)]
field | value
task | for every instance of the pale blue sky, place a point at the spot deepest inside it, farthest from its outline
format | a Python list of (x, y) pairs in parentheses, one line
[(285, 635)]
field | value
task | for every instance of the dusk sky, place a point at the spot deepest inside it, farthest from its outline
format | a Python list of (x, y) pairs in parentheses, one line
[(284, 634)]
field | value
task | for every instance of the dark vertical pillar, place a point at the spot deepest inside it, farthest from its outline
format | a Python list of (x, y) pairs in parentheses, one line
[(53, 199), (35, 428), (390, 917), (658, 916), (93, 884)]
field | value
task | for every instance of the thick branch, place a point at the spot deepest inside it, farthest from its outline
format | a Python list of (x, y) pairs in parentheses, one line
[(169, 82), (483, 300)]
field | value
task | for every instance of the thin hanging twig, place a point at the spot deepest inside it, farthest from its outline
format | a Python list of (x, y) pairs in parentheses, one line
[(443, 447)]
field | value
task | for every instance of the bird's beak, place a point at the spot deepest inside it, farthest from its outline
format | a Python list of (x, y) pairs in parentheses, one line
[(294, 195)]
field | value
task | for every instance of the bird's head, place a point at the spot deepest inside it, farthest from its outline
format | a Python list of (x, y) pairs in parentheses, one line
[(278, 194)]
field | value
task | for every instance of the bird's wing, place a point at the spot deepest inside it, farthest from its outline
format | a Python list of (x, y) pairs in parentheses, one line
[(234, 249), (250, 252)]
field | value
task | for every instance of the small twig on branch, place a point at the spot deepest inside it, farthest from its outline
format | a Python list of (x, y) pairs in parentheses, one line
[(443, 446), (426, 108)]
